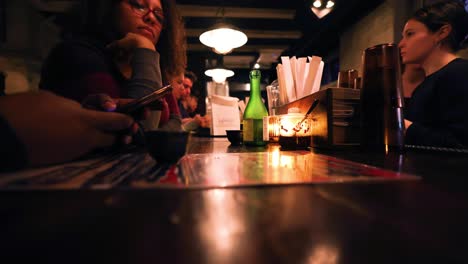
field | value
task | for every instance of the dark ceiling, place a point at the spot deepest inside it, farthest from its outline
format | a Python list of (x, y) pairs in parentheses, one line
[(274, 28)]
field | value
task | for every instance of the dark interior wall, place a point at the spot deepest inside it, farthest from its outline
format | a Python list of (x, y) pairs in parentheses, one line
[(2, 21), (196, 64), (2, 83)]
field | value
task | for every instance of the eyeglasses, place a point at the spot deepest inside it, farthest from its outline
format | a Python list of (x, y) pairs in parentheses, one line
[(142, 10)]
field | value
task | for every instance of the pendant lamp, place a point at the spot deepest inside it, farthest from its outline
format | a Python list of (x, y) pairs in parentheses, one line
[(216, 69), (322, 8), (219, 74), (223, 37)]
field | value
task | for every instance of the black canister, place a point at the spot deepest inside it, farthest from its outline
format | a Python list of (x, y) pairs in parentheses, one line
[(382, 122), (2, 83)]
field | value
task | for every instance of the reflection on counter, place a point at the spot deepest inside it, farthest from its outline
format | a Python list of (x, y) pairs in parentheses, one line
[(136, 169), (276, 167)]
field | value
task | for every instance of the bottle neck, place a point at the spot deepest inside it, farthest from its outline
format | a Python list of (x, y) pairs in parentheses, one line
[(255, 93)]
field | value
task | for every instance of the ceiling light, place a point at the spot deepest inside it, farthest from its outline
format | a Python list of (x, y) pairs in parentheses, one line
[(317, 3), (219, 75), (256, 66), (321, 10), (223, 38)]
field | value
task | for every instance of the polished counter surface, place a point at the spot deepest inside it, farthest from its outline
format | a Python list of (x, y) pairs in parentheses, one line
[(413, 221), (209, 163)]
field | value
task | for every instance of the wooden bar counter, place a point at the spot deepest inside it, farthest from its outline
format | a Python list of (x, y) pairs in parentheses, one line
[(422, 221)]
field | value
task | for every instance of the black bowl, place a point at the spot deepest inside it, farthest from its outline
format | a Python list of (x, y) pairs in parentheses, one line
[(234, 136), (166, 146)]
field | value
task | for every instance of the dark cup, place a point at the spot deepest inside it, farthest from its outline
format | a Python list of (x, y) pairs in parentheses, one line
[(382, 121), (234, 136), (166, 146), (346, 78)]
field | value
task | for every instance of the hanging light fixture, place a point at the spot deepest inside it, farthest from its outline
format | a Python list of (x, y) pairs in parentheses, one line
[(219, 74), (223, 37), (322, 8), (216, 70)]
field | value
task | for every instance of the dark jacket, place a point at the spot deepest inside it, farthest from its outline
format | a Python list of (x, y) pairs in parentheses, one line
[(82, 66), (439, 108), (13, 153)]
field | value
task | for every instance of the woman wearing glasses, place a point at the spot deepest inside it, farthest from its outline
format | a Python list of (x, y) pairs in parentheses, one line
[(118, 48)]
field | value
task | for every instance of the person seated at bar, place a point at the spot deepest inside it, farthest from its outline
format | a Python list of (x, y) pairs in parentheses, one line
[(191, 104), (119, 50), (412, 76), (189, 79), (175, 81), (437, 113), (178, 91), (55, 129), (189, 123)]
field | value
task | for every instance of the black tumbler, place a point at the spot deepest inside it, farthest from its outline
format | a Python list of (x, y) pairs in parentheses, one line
[(2, 83), (382, 122)]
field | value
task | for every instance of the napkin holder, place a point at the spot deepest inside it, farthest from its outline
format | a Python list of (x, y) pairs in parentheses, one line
[(336, 118)]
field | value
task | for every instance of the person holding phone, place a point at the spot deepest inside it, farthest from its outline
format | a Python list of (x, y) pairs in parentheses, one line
[(437, 113), (45, 135), (118, 48)]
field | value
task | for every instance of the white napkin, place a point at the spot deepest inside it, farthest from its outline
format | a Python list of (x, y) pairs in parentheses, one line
[(297, 78), (283, 95), (289, 79), (312, 74), (300, 76), (318, 78)]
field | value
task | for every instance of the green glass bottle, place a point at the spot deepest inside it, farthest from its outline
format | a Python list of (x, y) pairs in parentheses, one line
[(254, 112)]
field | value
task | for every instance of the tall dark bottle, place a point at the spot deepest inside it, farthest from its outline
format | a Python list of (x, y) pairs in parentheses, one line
[(2, 83), (382, 121), (254, 113)]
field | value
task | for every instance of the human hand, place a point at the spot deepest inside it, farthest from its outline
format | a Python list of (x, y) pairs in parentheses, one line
[(202, 120), (207, 121), (104, 102), (130, 42), (101, 102), (56, 129)]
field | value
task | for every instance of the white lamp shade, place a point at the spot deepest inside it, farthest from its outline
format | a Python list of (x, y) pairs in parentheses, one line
[(219, 75), (223, 38)]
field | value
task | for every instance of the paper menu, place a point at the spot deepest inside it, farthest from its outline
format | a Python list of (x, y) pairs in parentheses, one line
[(224, 114), (241, 106)]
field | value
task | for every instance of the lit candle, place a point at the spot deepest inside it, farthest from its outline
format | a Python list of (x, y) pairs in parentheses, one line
[(295, 134), (274, 128)]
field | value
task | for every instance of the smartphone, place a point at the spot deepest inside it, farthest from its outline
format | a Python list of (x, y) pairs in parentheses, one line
[(141, 102)]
